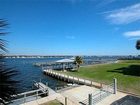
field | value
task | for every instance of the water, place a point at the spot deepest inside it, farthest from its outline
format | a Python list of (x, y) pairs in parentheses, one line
[(28, 72)]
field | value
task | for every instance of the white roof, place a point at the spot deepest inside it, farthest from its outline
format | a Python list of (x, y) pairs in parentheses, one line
[(65, 61), (73, 58)]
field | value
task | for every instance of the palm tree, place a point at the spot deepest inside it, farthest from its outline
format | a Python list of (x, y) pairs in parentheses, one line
[(7, 83), (138, 45), (78, 61)]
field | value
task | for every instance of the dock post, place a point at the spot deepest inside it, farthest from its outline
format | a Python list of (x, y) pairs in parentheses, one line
[(84, 81), (55, 88), (24, 98), (90, 99), (58, 76), (68, 78), (36, 94), (65, 100), (55, 74), (115, 85), (64, 77), (78, 81)]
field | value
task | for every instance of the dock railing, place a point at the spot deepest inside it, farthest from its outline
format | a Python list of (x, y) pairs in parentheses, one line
[(30, 95), (27, 97)]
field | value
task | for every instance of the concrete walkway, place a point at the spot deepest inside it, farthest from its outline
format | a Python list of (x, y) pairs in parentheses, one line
[(79, 94), (76, 95)]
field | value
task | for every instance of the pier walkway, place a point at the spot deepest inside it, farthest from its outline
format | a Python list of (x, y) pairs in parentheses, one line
[(72, 79)]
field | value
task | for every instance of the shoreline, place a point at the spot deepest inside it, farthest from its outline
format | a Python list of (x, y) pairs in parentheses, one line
[(117, 61)]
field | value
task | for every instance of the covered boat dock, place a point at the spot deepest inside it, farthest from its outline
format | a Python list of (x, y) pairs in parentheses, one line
[(63, 64)]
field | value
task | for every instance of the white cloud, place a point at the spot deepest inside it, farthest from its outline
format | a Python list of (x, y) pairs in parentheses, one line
[(132, 33), (125, 15), (70, 37)]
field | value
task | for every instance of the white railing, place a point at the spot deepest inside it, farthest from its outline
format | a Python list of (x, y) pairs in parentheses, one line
[(108, 88), (99, 96), (30, 95), (105, 91), (27, 97)]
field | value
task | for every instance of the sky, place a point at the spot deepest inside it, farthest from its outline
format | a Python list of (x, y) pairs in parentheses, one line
[(72, 27)]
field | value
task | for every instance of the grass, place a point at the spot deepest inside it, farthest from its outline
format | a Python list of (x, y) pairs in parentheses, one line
[(127, 73), (53, 102)]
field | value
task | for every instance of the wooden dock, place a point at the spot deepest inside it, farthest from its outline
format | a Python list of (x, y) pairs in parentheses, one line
[(41, 86), (44, 88), (71, 79)]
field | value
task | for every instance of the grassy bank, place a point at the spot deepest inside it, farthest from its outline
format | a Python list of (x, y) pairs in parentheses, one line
[(127, 72)]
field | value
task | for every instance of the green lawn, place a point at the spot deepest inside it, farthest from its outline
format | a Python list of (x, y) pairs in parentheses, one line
[(127, 73)]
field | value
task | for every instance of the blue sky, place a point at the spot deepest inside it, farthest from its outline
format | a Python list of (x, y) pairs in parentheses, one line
[(72, 27)]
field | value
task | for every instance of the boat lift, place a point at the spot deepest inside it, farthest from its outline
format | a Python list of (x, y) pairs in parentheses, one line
[(41, 91)]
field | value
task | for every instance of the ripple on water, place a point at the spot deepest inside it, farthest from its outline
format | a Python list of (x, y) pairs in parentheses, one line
[(28, 73)]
